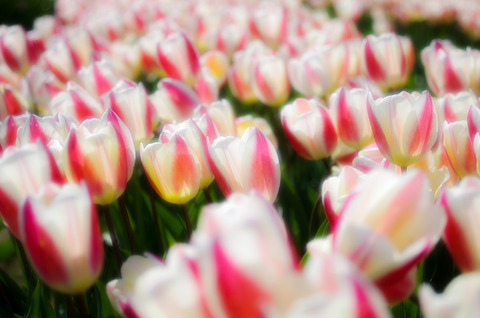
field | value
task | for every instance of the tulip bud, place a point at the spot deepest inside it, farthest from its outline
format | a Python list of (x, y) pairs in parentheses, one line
[(179, 58), (12, 102), (58, 59), (269, 23), (462, 207), (43, 86), (97, 78), (194, 137), (8, 130), (388, 225), (388, 59), (61, 233), (173, 169), (101, 152), (309, 128), (242, 164), (76, 102), (229, 39), (460, 149), (270, 80), (242, 123), (309, 74), (217, 64), (207, 87), (221, 112), (23, 171), (455, 107), (132, 104), (350, 115), (174, 100), (405, 126), (17, 49), (447, 68)]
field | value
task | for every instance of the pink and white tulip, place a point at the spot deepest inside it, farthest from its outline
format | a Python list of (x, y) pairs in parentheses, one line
[(246, 163), (270, 81), (404, 125), (459, 148), (309, 128), (61, 233)]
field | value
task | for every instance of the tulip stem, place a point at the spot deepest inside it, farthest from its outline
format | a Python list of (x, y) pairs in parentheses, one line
[(207, 195), (69, 305), (314, 215), (151, 194), (127, 224), (81, 305), (113, 236), (187, 220), (328, 167), (404, 170), (23, 256)]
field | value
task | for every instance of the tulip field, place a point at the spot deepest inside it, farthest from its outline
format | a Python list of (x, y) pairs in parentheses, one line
[(241, 159)]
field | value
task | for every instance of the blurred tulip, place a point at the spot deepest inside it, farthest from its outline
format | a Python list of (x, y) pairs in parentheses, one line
[(98, 77), (455, 107), (459, 299), (459, 148), (7, 76), (101, 152), (405, 126), (338, 289), (350, 115), (270, 80), (47, 26), (388, 59), (221, 112), (461, 204), (245, 256), (387, 226), (206, 87), (44, 129), (243, 122), (309, 128), (23, 171), (125, 59), (229, 39), (174, 100), (18, 50), (42, 87), (132, 104), (448, 69), (473, 121), (336, 189), (242, 164), (61, 233), (12, 102), (76, 102), (269, 23), (309, 74), (172, 168), (59, 60), (8, 130), (217, 65), (194, 137), (179, 58)]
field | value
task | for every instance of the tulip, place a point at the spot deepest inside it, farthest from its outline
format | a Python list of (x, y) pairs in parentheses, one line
[(270, 80), (459, 148), (46, 26), (336, 189), (455, 106), (349, 113), (459, 299), (132, 104), (207, 87), (174, 100), (242, 164), (405, 126), (473, 121), (172, 168), (8, 130), (101, 152), (387, 226), (59, 60), (98, 77), (243, 122), (460, 235), (17, 49), (337, 289), (245, 259), (269, 22), (12, 102), (333, 31), (229, 39), (76, 102), (120, 291), (309, 128), (23, 171), (44, 128), (388, 59), (125, 59), (240, 76), (42, 87), (7, 76), (194, 137), (447, 68), (217, 65), (179, 58), (309, 74), (221, 112), (61, 233)]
